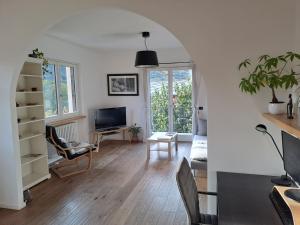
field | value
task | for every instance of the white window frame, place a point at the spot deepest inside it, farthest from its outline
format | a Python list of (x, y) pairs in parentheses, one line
[(170, 68), (60, 115)]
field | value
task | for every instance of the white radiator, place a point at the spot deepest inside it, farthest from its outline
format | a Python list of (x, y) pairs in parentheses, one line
[(70, 132)]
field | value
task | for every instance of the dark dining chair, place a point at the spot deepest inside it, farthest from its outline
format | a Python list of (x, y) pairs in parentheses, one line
[(189, 194)]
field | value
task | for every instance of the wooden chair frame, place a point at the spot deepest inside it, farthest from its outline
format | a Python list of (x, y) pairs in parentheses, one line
[(63, 152)]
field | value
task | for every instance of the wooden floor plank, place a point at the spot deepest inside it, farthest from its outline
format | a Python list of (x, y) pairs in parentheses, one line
[(123, 188)]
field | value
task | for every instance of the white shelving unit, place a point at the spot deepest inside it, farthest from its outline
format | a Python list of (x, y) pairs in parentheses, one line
[(31, 124)]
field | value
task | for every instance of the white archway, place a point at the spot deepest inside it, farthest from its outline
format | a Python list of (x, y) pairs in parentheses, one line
[(215, 35)]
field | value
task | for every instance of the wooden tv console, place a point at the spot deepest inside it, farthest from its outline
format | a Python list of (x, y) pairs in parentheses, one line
[(293, 205), (98, 135)]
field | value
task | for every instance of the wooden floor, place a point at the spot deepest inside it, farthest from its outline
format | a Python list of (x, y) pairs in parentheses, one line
[(121, 189)]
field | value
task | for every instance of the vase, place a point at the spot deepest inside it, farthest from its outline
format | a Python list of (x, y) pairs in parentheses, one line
[(276, 108)]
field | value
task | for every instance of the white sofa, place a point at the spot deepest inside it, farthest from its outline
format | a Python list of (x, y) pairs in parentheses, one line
[(199, 153)]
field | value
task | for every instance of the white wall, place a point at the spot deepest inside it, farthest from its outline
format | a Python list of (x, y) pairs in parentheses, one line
[(93, 68), (90, 66), (217, 35)]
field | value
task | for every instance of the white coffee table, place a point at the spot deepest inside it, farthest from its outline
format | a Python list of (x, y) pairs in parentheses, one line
[(162, 137)]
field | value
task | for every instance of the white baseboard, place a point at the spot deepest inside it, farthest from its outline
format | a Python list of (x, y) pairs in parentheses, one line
[(14, 207)]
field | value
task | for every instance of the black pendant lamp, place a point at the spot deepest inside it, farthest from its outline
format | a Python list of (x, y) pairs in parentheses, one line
[(146, 58)]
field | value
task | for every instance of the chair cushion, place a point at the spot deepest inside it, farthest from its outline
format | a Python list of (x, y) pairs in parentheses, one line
[(79, 147), (209, 219)]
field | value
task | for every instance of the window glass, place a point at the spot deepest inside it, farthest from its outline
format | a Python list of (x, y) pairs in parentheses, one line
[(50, 91), (59, 82), (182, 100), (67, 89), (159, 95)]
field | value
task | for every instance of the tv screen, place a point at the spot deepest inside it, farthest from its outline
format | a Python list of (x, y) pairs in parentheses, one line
[(291, 155), (110, 118)]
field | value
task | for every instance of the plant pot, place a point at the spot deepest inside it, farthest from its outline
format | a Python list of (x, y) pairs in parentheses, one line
[(276, 108), (135, 139)]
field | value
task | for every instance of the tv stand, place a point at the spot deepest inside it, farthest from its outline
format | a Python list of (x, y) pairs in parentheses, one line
[(98, 134)]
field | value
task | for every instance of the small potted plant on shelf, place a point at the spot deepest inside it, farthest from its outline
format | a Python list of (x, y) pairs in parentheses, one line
[(36, 53), (272, 72), (134, 130)]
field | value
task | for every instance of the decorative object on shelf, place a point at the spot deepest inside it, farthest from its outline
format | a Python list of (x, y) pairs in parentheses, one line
[(273, 72), (31, 104), (34, 89), (146, 58), (283, 180), (17, 104), (40, 55), (33, 118), (289, 108), (19, 120), (134, 130), (123, 84)]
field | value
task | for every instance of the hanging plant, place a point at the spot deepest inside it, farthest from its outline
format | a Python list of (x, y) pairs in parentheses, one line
[(40, 55)]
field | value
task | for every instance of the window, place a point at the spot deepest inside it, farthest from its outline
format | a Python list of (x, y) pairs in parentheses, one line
[(60, 84)]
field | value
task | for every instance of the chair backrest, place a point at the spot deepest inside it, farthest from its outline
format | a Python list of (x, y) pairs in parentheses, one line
[(53, 139), (188, 191)]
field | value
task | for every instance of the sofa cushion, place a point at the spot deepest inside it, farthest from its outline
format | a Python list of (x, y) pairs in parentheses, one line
[(199, 148), (199, 154), (202, 127)]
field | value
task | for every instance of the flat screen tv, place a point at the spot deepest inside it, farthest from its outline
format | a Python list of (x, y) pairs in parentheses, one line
[(108, 118)]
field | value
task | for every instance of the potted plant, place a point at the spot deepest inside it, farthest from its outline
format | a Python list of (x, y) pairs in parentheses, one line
[(40, 55), (272, 72), (134, 130)]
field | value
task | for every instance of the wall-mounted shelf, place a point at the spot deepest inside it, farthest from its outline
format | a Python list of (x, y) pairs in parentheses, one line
[(30, 111), (33, 179), (29, 136), (30, 76), (29, 92), (28, 121), (291, 126), (28, 106), (29, 159)]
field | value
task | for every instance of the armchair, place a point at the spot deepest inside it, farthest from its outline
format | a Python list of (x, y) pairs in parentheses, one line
[(71, 152)]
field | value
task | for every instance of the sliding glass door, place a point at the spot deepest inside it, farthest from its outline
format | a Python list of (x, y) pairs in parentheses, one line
[(170, 100)]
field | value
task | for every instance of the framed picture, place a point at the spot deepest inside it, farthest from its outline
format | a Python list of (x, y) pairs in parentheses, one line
[(123, 84)]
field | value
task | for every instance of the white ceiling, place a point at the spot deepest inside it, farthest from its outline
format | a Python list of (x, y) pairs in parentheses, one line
[(113, 29)]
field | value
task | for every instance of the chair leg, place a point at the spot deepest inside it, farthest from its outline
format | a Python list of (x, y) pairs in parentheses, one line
[(90, 161), (61, 175)]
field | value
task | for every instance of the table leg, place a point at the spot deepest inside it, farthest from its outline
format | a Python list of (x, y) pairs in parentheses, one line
[(176, 143), (148, 150), (99, 140), (169, 150)]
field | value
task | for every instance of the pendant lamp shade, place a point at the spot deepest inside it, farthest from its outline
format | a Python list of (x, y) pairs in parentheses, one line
[(146, 58)]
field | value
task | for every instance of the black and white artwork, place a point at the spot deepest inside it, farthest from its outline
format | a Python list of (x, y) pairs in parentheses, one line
[(123, 84)]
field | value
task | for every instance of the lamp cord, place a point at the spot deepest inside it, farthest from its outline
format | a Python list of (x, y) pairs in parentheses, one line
[(275, 145), (286, 175), (145, 43)]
